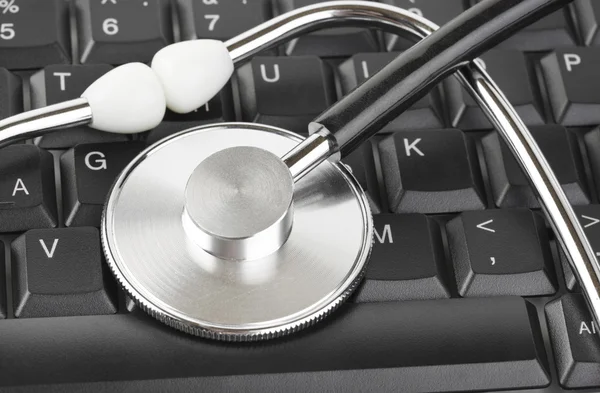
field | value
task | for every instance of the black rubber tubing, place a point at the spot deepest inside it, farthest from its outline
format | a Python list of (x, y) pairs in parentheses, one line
[(383, 97)]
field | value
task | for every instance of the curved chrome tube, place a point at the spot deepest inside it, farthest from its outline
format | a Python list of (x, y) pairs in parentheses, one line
[(41, 121), (304, 20), (392, 19), (478, 83)]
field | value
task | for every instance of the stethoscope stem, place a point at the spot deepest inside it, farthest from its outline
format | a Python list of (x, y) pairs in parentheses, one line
[(316, 148), (343, 127)]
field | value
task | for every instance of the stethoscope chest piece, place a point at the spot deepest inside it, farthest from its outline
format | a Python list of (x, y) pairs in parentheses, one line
[(207, 232)]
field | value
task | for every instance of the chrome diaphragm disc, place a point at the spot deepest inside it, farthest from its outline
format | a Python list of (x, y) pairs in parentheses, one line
[(160, 264)]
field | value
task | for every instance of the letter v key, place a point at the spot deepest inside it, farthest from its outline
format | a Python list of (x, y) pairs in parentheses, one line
[(49, 253)]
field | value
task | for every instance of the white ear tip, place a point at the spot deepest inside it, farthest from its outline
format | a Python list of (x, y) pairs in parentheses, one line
[(192, 72), (126, 100)]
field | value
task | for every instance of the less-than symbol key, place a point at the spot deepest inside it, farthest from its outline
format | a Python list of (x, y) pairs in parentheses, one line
[(501, 253), (485, 228)]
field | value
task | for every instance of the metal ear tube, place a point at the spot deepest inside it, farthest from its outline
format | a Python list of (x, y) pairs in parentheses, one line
[(201, 284)]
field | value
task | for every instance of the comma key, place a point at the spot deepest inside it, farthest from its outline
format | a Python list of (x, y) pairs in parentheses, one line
[(501, 252)]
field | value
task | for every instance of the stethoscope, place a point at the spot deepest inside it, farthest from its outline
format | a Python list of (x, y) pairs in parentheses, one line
[(244, 232)]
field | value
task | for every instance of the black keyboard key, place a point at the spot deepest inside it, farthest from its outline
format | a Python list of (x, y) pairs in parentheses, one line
[(571, 79), (501, 252), (589, 217), (343, 41), (220, 19), (286, 92), (2, 282), (574, 337), (217, 110), (118, 32), (88, 172), (27, 190), (425, 113), (509, 70), (11, 94), (587, 13), (406, 262), (454, 345), (510, 187), (553, 31), (58, 272), (60, 83), (430, 171), (592, 145), (439, 12), (34, 34), (362, 164)]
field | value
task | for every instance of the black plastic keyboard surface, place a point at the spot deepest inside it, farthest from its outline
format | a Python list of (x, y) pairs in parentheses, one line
[(467, 289)]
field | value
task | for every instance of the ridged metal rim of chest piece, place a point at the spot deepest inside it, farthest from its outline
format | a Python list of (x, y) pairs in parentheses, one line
[(173, 279)]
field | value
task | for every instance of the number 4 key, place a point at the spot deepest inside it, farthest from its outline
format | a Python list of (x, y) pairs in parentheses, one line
[(122, 31)]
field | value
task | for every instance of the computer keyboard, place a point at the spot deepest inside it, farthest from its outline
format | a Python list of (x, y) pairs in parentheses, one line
[(466, 290)]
